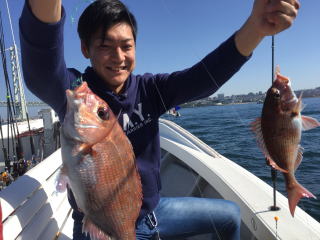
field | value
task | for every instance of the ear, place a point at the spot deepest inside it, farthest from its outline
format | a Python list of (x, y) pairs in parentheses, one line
[(84, 49)]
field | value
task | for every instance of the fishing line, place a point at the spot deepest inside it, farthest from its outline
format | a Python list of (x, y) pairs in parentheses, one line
[(4, 149), (215, 83), (212, 78), (31, 140), (198, 179), (11, 112), (273, 171), (75, 11)]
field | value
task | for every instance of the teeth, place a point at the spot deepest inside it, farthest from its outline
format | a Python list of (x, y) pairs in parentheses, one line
[(116, 68)]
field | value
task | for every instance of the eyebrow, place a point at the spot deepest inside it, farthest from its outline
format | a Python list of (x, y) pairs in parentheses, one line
[(106, 39)]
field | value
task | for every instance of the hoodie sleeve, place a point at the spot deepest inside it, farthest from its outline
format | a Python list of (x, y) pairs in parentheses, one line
[(43, 63), (201, 80)]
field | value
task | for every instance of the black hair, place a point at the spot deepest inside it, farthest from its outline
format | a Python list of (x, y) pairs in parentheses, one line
[(103, 14)]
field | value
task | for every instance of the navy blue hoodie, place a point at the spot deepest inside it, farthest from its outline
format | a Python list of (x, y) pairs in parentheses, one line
[(145, 98)]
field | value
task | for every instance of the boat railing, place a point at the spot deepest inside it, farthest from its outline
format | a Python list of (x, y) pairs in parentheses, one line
[(184, 137)]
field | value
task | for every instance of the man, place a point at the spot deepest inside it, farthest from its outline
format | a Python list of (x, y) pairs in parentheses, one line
[(107, 32)]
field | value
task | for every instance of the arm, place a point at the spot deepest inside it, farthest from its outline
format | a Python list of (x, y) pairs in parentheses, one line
[(268, 17), (48, 11), (42, 51)]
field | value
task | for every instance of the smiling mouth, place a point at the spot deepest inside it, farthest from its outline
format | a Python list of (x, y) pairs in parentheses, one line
[(116, 69)]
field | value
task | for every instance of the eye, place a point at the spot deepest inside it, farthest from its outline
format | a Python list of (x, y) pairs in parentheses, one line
[(277, 94), (105, 46), (103, 113), (127, 47)]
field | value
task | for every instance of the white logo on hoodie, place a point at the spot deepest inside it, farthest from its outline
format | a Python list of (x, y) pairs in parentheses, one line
[(129, 126)]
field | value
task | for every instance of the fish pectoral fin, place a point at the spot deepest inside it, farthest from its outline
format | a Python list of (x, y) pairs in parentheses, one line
[(95, 233), (84, 148), (62, 180), (309, 123), (273, 164), (256, 128)]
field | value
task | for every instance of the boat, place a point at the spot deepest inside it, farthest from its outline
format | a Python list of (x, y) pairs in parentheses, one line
[(174, 112), (32, 209)]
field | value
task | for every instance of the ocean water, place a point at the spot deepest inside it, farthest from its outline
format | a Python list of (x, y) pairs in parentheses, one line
[(227, 130)]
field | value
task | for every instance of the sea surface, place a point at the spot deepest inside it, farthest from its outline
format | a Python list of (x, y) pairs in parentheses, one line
[(227, 130)]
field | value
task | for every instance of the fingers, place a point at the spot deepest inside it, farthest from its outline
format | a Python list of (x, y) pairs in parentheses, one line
[(285, 7), (296, 4), (281, 13)]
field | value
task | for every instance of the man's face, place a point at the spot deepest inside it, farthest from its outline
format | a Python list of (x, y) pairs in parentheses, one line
[(114, 58)]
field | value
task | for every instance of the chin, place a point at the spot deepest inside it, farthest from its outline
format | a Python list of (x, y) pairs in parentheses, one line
[(118, 82)]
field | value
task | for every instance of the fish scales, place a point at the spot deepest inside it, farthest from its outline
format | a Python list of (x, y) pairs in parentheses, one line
[(283, 139), (99, 162)]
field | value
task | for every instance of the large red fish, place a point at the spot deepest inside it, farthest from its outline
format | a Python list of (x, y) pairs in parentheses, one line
[(279, 133), (99, 163)]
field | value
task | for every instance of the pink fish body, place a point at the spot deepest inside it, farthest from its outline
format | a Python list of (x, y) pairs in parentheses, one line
[(99, 163), (278, 134)]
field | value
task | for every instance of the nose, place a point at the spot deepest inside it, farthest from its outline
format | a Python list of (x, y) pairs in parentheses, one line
[(118, 55)]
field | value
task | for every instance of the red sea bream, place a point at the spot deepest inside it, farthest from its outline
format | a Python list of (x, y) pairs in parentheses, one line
[(99, 163), (279, 133)]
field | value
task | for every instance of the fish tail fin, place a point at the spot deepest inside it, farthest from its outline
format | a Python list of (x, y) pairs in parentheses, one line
[(295, 194), (95, 233), (62, 180)]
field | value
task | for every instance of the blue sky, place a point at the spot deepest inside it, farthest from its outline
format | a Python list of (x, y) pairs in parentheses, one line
[(175, 34)]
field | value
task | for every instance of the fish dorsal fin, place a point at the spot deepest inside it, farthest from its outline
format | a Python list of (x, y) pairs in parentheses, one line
[(309, 123), (299, 106), (95, 233), (276, 72), (256, 128), (299, 158)]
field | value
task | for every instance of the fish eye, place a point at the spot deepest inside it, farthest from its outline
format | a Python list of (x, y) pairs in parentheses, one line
[(277, 94), (103, 113)]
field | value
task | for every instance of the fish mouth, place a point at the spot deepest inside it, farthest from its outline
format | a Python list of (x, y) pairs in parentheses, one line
[(87, 126), (288, 98)]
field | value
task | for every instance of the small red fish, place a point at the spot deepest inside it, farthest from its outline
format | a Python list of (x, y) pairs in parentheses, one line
[(278, 134), (99, 163)]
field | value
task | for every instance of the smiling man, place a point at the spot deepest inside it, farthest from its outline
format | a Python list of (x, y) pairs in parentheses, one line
[(107, 30), (113, 56)]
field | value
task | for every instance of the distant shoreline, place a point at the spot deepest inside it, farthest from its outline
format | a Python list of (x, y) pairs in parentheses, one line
[(205, 103)]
